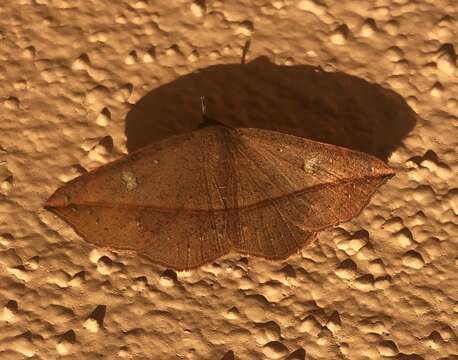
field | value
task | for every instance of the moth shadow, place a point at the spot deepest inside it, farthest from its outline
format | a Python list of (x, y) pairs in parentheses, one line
[(302, 100)]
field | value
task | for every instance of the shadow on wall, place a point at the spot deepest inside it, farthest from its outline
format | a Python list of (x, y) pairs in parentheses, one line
[(302, 100)]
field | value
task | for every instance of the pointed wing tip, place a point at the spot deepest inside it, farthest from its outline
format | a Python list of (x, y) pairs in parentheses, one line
[(383, 170), (388, 173), (56, 200), (49, 204)]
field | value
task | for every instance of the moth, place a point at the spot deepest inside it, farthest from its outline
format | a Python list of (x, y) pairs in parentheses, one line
[(191, 198)]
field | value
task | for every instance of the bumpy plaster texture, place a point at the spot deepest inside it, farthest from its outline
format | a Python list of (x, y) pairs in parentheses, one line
[(83, 82)]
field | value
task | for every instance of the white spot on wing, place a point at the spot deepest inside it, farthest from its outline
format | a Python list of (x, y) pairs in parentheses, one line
[(129, 179)]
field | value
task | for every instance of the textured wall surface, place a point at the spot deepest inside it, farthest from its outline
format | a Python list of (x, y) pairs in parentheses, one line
[(84, 81)]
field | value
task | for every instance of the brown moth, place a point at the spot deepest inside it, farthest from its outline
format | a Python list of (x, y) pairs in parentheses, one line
[(191, 198)]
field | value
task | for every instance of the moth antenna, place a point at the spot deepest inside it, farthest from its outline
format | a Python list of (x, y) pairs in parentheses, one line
[(206, 120), (204, 106), (245, 50)]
